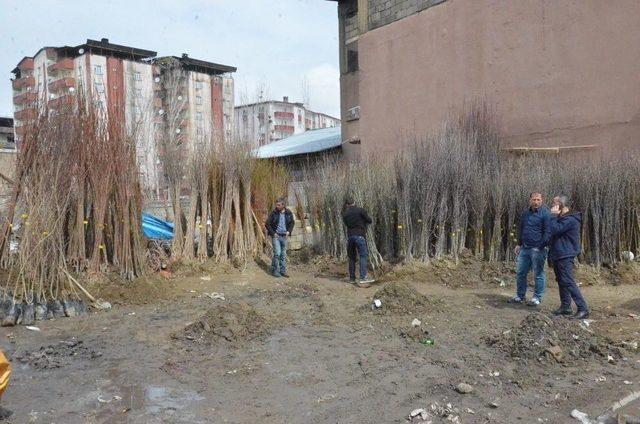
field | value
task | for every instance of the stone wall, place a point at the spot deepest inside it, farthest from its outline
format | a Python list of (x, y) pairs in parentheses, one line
[(383, 12)]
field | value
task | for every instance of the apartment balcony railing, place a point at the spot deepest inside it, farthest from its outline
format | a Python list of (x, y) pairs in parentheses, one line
[(23, 98), (284, 128), (62, 83), (20, 83), (283, 115), (65, 64), (25, 114), (61, 101)]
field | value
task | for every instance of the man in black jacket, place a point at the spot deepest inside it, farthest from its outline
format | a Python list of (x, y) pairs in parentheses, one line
[(279, 227), (356, 220), (565, 246)]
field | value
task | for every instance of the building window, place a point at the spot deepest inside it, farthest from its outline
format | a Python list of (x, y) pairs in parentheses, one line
[(198, 100), (99, 86), (97, 69), (199, 131), (199, 84), (137, 111), (137, 76), (352, 57), (199, 116), (138, 93)]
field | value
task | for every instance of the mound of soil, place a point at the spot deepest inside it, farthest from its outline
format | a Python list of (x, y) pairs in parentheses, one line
[(141, 291), (57, 355), (539, 337), (401, 298), (233, 322)]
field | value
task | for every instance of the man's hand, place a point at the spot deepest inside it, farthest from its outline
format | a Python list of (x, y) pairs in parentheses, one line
[(555, 210), (287, 234), (517, 250)]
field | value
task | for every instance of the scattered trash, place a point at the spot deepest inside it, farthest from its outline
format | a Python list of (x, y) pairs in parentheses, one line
[(635, 316), (427, 341), (420, 412), (494, 405), (205, 278), (610, 359), (627, 382), (32, 328), (326, 398), (601, 379), (101, 304), (215, 295), (131, 313), (580, 416), (416, 322), (377, 303), (464, 388), (470, 411), (494, 374), (232, 372), (114, 398), (627, 256)]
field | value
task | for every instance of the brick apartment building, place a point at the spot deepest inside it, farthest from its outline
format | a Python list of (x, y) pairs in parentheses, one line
[(128, 84), (558, 73), (7, 160), (265, 122)]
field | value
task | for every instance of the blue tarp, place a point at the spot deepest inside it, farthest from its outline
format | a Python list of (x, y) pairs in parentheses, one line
[(311, 141), (156, 228)]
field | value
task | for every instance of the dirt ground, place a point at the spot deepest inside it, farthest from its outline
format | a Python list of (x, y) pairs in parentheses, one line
[(216, 345)]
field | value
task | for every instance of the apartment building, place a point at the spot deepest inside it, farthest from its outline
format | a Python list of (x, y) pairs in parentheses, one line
[(265, 122), (552, 79), (127, 84), (7, 160)]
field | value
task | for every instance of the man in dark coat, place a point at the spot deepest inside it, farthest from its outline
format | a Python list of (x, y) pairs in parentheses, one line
[(565, 246), (356, 220), (280, 224)]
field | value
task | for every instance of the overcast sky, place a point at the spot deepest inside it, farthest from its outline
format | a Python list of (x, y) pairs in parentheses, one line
[(275, 44)]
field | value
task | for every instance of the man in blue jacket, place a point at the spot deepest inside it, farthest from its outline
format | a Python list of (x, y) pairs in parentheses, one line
[(533, 238), (565, 246)]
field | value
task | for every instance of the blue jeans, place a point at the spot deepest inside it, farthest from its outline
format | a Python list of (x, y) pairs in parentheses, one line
[(357, 244), (563, 268), (531, 257), (279, 244)]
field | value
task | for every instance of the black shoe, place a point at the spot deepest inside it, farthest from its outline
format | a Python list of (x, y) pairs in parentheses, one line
[(563, 311), (581, 314), (5, 413), (276, 275), (516, 299), (284, 275)]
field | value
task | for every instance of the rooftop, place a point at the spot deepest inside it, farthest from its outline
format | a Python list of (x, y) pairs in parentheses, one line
[(312, 141)]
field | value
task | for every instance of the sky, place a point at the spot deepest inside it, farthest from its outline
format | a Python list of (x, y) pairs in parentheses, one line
[(280, 47)]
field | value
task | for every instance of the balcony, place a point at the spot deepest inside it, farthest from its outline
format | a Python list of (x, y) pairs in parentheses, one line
[(20, 83), (25, 114), (23, 98), (284, 128), (61, 65), (61, 101), (21, 130), (26, 64), (62, 84), (283, 115)]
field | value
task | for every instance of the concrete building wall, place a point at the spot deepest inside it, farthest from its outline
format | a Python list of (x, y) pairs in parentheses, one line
[(557, 73)]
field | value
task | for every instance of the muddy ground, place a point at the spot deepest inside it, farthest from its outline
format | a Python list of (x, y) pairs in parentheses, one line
[(310, 349)]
